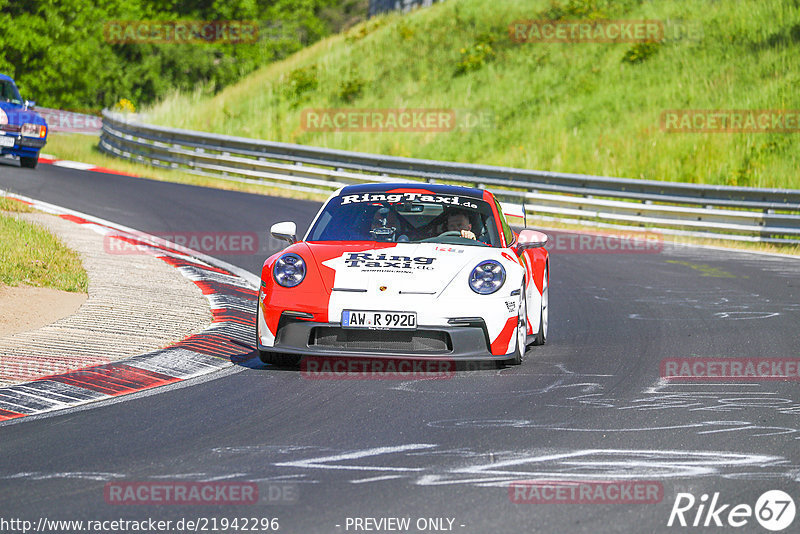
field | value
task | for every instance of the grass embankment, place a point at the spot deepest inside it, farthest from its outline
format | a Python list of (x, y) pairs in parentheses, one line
[(590, 108), (30, 255)]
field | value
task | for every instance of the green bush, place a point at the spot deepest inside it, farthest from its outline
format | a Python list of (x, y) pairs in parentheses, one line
[(640, 52), (575, 9), (302, 81), (474, 57), (350, 90), (362, 30)]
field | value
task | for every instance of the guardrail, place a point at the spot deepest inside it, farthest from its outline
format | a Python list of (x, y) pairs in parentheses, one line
[(722, 212)]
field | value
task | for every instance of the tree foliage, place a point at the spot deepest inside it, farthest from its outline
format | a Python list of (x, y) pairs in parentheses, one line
[(57, 50)]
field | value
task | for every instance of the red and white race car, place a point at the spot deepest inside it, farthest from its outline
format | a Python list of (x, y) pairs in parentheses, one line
[(405, 271)]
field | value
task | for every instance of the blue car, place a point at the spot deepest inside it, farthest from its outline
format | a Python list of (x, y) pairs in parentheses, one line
[(23, 133)]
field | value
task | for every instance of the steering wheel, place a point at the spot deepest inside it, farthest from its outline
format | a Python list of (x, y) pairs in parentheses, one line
[(457, 233)]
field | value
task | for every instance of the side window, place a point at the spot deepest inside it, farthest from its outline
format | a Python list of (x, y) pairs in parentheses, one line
[(7, 91), (507, 232)]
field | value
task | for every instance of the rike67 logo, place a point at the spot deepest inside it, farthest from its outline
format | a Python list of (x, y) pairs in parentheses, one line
[(774, 510)]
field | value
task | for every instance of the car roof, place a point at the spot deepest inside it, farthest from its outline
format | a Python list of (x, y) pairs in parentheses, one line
[(436, 189)]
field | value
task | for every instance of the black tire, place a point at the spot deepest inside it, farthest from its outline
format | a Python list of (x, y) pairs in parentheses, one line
[(519, 351), (523, 312), (544, 312), (266, 357), (279, 359), (28, 163), (540, 338)]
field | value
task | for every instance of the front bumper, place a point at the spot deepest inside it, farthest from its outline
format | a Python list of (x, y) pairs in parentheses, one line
[(23, 146), (467, 342)]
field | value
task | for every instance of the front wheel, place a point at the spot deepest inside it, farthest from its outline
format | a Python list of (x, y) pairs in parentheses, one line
[(544, 314), (29, 163), (522, 328)]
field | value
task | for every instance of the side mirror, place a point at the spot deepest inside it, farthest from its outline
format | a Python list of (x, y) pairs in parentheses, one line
[(286, 231), (531, 239), (29, 104)]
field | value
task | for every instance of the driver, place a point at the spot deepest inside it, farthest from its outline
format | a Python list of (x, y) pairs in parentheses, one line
[(459, 221)]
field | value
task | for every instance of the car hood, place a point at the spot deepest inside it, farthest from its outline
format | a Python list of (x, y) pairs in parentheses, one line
[(14, 114), (405, 268)]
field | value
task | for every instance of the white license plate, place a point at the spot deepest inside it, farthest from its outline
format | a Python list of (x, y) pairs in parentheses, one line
[(387, 320), (6, 141)]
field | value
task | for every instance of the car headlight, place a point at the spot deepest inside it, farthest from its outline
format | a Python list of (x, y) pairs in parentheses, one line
[(289, 270), (487, 277), (34, 130)]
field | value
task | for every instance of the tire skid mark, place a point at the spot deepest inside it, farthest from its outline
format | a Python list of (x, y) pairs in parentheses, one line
[(429, 464)]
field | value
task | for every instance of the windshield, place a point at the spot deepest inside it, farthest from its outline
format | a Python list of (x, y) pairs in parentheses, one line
[(407, 217), (9, 93)]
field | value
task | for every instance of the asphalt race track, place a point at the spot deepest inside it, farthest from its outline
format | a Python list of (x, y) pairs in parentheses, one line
[(589, 405)]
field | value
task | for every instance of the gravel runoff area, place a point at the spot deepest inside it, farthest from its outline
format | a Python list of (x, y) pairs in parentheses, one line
[(137, 303)]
